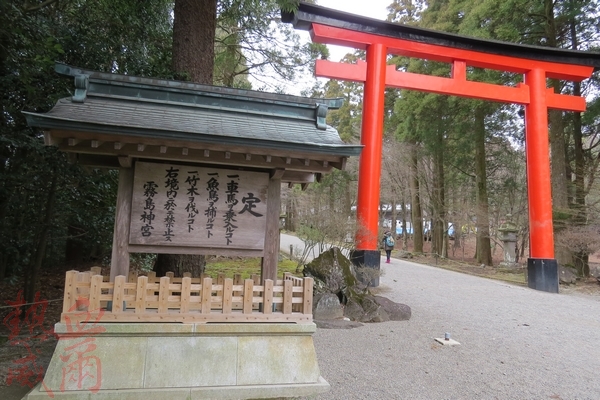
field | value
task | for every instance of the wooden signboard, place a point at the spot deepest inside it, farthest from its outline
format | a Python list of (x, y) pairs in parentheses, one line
[(185, 205)]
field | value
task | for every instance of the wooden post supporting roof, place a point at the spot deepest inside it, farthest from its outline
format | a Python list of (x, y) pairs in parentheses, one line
[(271, 253), (537, 64), (119, 261)]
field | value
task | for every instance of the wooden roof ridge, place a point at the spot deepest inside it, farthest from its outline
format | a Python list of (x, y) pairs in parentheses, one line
[(194, 94), (111, 120), (307, 14)]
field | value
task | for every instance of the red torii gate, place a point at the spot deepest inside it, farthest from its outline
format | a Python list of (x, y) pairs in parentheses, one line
[(380, 38)]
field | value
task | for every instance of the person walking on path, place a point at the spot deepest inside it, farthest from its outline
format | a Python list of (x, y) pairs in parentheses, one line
[(388, 245)]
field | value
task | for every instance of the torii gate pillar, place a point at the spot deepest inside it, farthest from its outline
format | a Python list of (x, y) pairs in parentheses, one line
[(369, 173), (536, 64), (542, 267)]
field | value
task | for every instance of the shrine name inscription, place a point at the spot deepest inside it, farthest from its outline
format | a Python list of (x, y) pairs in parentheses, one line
[(185, 205)]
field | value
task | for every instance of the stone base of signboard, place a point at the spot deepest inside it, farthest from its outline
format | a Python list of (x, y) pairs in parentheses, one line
[(193, 393), (188, 361)]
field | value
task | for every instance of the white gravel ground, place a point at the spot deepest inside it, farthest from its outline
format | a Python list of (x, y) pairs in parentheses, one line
[(516, 343)]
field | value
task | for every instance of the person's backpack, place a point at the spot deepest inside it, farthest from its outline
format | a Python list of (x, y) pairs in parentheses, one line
[(389, 241)]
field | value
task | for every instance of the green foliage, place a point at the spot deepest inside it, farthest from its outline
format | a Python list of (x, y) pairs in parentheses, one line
[(347, 120), (405, 11), (118, 36), (252, 40), (107, 35)]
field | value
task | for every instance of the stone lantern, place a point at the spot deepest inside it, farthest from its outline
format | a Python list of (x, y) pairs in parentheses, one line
[(508, 234)]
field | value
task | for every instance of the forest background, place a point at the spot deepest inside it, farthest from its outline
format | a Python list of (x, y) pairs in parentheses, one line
[(447, 161)]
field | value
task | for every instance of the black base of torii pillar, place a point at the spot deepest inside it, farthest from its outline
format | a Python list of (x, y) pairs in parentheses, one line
[(368, 259), (542, 274)]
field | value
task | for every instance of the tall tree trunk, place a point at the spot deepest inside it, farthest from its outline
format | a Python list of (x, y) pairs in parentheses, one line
[(194, 39), (347, 199), (32, 276), (438, 197), (193, 58), (484, 251), (404, 227), (580, 258), (416, 212), (558, 158), (332, 197), (393, 218), (179, 264), (290, 214)]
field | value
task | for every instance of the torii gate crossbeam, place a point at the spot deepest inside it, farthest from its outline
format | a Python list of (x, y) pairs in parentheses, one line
[(535, 63)]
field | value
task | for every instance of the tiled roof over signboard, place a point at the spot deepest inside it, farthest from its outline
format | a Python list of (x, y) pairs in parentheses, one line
[(113, 118)]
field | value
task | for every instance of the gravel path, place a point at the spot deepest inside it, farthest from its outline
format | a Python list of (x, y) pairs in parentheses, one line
[(516, 343)]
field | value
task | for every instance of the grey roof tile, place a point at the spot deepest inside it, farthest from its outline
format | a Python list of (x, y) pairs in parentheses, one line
[(177, 111), (192, 120)]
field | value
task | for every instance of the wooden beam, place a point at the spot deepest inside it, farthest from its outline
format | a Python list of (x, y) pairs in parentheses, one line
[(248, 157), (227, 155), (270, 259), (73, 141), (206, 153), (50, 140), (125, 162), (139, 248), (298, 177), (184, 151), (141, 147), (216, 147), (277, 174), (195, 156), (152, 151), (163, 149), (119, 263), (97, 161), (95, 144)]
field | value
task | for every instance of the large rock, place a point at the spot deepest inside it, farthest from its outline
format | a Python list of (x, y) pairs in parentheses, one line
[(327, 306), (353, 310), (333, 272), (367, 308), (396, 311), (373, 311), (566, 275), (335, 280)]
